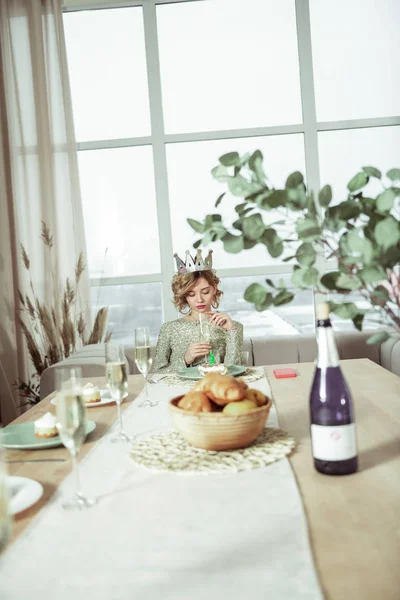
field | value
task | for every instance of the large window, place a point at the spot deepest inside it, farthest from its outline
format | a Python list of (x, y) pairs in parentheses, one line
[(161, 89)]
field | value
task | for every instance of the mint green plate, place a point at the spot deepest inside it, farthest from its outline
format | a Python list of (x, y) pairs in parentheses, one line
[(22, 437), (194, 373)]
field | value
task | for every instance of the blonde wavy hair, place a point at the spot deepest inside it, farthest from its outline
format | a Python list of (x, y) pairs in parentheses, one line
[(182, 283)]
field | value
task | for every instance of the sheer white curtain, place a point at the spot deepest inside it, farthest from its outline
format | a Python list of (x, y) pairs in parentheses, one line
[(38, 175)]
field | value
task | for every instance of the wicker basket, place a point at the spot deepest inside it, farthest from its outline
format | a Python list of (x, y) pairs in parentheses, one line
[(216, 430)]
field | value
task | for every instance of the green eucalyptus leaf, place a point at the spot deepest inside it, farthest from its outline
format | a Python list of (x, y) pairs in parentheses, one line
[(394, 174), (249, 244), (359, 246), (294, 180), (306, 254), (240, 207), (387, 232), (358, 321), (325, 196), (379, 296), (270, 283), (308, 229), (345, 310), (284, 297), (304, 278), (266, 304), (378, 338), (348, 282), (288, 258), (218, 201), (372, 172), (255, 165), (220, 173), (253, 227), (349, 209), (372, 274), (239, 186), (390, 258), (233, 243), (297, 197), (197, 244), (196, 225), (208, 238), (238, 224), (277, 198), (385, 201), (255, 293), (273, 242), (230, 159), (358, 182)]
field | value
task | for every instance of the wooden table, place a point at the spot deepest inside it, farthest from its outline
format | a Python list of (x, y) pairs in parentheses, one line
[(354, 521)]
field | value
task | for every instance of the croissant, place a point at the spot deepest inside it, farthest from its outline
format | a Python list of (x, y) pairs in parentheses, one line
[(195, 402), (222, 389)]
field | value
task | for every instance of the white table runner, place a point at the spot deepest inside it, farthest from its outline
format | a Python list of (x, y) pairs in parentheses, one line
[(165, 536)]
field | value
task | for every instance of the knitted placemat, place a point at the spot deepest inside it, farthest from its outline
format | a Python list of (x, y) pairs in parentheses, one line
[(251, 374), (170, 452)]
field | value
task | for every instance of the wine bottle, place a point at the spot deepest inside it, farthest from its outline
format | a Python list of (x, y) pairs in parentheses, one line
[(333, 430)]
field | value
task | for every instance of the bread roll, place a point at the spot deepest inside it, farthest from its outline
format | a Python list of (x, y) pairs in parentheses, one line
[(195, 402), (221, 389)]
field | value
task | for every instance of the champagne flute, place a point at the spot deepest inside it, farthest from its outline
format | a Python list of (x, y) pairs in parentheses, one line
[(5, 519), (117, 382), (143, 359), (205, 335), (71, 421)]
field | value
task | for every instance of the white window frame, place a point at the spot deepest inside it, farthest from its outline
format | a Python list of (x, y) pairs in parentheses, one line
[(159, 139)]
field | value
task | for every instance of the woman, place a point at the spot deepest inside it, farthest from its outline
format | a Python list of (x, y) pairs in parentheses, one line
[(179, 344)]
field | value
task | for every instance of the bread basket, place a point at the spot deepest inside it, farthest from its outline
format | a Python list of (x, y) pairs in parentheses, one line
[(216, 430)]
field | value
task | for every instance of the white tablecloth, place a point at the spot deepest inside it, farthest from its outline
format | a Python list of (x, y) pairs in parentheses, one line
[(166, 536)]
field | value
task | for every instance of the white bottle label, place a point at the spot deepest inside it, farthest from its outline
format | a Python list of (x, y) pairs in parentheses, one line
[(334, 443)]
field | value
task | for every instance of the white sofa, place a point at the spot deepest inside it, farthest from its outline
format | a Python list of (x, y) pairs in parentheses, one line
[(262, 351)]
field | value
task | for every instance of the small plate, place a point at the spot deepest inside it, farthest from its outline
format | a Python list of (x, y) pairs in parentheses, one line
[(22, 493), (194, 373), (22, 437), (105, 399)]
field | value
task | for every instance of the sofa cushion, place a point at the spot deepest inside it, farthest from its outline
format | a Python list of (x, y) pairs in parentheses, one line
[(390, 354)]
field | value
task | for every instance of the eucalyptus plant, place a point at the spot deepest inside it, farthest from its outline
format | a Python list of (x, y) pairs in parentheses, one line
[(361, 232)]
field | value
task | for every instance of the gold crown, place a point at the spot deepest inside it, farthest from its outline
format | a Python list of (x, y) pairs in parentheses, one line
[(194, 264)]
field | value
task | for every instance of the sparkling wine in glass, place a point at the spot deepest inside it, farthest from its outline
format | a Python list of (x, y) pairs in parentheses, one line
[(5, 518), (143, 359), (205, 333), (117, 382), (71, 420)]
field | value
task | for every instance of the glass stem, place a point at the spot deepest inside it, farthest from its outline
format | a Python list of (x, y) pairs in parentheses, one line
[(76, 473), (121, 426)]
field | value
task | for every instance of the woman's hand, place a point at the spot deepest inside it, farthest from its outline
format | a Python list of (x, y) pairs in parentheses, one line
[(195, 350), (221, 320)]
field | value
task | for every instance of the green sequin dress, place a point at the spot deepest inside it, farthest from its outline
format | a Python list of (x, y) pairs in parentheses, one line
[(176, 336)]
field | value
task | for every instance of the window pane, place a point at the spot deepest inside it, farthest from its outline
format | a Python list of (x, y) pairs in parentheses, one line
[(290, 319), (356, 54), (229, 64), (125, 312), (193, 191), (107, 68), (120, 211), (343, 153)]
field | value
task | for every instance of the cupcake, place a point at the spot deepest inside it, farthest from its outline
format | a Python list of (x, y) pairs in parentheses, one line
[(91, 393), (45, 427)]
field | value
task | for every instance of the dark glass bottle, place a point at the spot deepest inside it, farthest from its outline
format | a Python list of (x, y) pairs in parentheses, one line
[(333, 430)]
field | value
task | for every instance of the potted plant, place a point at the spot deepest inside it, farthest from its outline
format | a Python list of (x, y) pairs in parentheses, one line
[(361, 233)]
